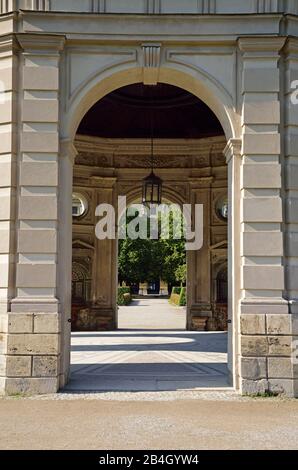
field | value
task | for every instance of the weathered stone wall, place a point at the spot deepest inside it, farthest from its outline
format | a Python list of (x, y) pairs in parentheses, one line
[(32, 353), (8, 182), (266, 325), (33, 325), (266, 348)]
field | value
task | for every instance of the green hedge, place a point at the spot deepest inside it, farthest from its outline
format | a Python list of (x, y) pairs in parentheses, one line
[(176, 290), (124, 296), (178, 296), (174, 299), (182, 298)]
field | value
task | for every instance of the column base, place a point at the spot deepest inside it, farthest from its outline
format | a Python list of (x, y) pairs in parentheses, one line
[(21, 305), (28, 386), (293, 306), (30, 360), (269, 339), (198, 317), (271, 387), (94, 319)]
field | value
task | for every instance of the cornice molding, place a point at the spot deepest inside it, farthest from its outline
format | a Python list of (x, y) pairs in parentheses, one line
[(262, 46), (194, 29), (103, 182), (200, 182), (156, 7), (104, 146), (8, 44), (290, 49), (41, 42)]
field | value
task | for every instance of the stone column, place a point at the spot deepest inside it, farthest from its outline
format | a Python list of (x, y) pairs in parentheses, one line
[(34, 336), (290, 141), (103, 314), (8, 149), (233, 154), (291, 171), (265, 342), (199, 308), (67, 156)]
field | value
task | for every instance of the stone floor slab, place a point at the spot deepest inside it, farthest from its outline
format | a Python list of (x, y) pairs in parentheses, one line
[(150, 352)]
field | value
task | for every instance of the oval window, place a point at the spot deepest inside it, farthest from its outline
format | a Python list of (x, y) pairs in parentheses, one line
[(79, 205), (222, 208)]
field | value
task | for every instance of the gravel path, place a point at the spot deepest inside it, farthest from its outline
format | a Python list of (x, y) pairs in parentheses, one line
[(234, 423)]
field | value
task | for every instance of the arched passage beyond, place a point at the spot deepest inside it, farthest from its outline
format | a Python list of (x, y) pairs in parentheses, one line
[(188, 156)]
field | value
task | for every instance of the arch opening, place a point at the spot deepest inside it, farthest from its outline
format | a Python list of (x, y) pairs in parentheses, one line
[(113, 141), (201, 86)]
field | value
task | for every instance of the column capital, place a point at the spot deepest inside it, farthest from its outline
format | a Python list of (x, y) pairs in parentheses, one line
[(103, 182), (36, 43), (232, 149), (68, 150), (291, 48), (261, 46), (200, 182)]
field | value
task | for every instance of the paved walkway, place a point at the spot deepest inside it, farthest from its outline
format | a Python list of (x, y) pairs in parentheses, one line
[(149, 352), (151, 314)]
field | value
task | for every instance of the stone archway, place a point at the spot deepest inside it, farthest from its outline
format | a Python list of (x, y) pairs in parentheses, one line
[(75, 59), (195, 191), (184, 78)]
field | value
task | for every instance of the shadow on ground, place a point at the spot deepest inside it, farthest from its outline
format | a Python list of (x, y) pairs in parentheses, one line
[(131, 361)]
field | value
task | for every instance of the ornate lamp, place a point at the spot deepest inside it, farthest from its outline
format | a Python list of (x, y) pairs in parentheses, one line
[(152, 190), (152, 185)]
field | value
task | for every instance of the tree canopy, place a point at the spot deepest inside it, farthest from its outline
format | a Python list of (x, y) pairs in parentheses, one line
[(144, 260)]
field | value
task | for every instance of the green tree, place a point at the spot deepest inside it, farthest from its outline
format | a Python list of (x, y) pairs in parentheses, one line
[(148, 260), (180, 274)]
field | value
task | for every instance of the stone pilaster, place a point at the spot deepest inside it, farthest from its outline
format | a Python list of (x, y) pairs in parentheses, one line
[(233, 159), (8, 150), (35, 322), (67, 156), (261, 217), (103, 314), (290, 146), (199, 308), (291, 171), (7, 6)]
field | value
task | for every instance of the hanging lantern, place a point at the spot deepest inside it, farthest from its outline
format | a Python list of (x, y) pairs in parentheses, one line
[(152, 184), (152, 190)]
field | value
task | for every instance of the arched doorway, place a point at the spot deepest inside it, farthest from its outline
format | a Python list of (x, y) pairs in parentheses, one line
[(113, 142), (74, 66)]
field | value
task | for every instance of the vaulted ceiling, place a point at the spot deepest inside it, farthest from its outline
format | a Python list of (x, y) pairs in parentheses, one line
[(142, 111)]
